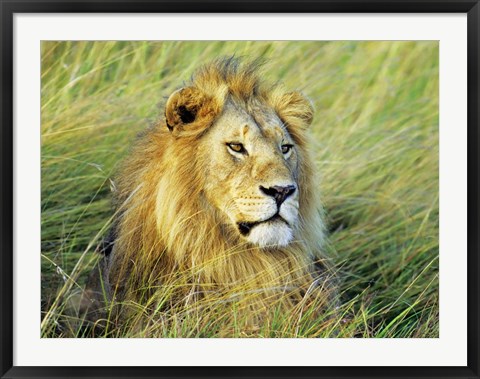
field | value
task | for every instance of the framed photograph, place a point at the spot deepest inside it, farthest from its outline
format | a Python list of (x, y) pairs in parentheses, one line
[(267, 189)]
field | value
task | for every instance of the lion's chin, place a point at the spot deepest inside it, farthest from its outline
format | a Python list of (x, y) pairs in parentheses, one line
[(271, 234)]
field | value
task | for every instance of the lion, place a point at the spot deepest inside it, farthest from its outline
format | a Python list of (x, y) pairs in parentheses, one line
[(218, 200)]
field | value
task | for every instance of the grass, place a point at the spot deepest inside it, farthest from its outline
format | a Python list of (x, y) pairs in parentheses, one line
[(374, 138)]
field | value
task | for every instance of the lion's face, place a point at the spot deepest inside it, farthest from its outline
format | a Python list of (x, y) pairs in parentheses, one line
[(244, 162), (250, 163)]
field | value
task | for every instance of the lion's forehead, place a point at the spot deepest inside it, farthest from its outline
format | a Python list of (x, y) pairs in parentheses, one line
[(252, 121)]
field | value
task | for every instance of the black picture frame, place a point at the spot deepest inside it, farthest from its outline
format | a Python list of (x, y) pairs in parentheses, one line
[(9, 8)]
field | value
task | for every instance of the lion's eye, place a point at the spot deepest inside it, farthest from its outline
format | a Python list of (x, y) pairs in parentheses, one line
[(236, 147), (286, 148)]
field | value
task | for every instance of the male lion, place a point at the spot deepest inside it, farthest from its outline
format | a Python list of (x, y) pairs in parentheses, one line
[(218, 201)]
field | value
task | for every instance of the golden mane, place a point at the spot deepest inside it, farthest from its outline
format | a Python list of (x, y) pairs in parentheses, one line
[(166, 234)]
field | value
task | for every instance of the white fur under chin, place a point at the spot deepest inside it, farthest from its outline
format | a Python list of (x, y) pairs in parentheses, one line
[(271, 234)]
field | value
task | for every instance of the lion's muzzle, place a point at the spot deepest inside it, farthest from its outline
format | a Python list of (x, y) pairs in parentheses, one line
[(272, 219)]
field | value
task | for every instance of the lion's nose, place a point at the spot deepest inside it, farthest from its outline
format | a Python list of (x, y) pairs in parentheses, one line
[(279, 193)]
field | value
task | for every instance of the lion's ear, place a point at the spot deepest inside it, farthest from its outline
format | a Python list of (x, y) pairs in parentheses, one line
[(182, 107), (189, 111), (295, 109)]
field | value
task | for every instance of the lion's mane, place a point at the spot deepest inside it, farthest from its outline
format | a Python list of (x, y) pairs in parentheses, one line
[(166, 234)]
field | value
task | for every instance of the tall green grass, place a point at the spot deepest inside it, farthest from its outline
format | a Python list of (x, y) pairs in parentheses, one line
[(374, 138)]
